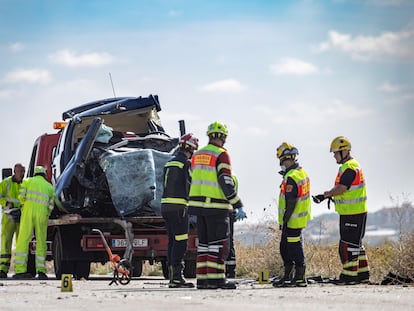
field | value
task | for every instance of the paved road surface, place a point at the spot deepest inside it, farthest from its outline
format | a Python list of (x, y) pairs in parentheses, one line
[(152, 293)]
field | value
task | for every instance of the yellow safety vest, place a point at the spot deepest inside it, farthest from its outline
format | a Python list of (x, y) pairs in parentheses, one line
[(205, 190), (354, 200), (302, 212)]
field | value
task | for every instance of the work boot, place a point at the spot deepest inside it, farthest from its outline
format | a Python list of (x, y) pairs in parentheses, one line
[(23, 276), (221, 285), (3, 275), (299, 279), (230, 271), (42, 276), (177, 280), (286, 280)]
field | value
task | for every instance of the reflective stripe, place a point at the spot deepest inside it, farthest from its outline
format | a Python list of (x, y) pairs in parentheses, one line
[(201, 276), (351, 264), (230, 262), (181, 237), (174, 164), (352, 201), (364, 269), (205, 183), (293, 239), (179, 201), (350, 273), (215, 275), (202, 264), (209, 205)]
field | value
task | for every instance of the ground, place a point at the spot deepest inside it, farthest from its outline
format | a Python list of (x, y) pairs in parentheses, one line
[(152, 293)]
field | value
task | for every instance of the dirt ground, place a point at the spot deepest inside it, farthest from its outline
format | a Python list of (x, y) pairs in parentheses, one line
[(152, 293)]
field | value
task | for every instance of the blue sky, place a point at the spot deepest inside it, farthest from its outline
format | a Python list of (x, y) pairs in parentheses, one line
[(273, 71)]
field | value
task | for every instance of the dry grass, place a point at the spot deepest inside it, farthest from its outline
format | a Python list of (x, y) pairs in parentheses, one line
[(323, 260)]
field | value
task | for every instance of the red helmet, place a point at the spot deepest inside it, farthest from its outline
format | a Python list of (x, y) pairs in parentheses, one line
[(189, 140)]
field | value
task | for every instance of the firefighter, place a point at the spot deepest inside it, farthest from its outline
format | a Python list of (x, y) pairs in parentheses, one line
[(37, 197), (177, 180), (294, 212), (349, 195), (9, 199), (234, 215), (212, 197)]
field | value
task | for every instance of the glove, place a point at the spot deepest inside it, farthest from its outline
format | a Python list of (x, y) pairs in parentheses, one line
[(14, 214), (240, 214), (318, 198)]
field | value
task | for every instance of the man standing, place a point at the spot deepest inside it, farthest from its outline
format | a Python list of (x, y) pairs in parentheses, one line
[(9, 193), (177, 180), (294, 212), (36, 197), (349, 194), (212, 197)]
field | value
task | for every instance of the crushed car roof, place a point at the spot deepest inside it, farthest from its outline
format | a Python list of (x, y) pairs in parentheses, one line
[(112, 105)]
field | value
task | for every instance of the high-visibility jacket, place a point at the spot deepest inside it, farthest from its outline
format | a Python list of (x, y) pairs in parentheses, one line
[(205, 190), (302, 211), (36, 192), (354, 200), (9, 192)]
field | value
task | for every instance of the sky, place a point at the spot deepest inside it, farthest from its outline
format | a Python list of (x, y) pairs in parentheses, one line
[(302, 72)]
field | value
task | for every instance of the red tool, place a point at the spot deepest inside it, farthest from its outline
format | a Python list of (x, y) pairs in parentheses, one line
[(122, 267)]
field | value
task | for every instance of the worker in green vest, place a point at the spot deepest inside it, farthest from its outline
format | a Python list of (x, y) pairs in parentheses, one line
[(9, 193), (350, 197), (37, 199)]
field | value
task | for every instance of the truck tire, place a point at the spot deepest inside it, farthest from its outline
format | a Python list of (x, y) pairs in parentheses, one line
[(137, 267), (190, 269), (61, 266)]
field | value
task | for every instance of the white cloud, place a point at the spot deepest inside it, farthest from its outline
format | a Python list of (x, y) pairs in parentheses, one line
[(71, 59), (293, 66), (399, 44), (17, 47), (28, 76), (387, 87), (228, 86)]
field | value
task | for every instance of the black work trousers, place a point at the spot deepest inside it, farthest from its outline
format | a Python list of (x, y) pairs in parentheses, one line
[(176, 222), (291, 247), (351, 250)]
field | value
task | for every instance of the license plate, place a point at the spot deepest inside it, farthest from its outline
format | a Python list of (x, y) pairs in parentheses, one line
[(123, 243)]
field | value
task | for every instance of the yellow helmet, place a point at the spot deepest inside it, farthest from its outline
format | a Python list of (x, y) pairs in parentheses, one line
[(217, 127), (340, 143), (286, 151), (39, 170)]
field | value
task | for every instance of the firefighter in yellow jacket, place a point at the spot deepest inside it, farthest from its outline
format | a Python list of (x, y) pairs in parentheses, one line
[(212, 197), (349, 195), (36, 197), (294, 213), (9, 193)]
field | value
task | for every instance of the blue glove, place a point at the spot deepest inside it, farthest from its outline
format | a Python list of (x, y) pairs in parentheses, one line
[(240, 214)]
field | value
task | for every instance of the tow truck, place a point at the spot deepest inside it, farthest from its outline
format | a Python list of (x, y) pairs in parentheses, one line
[(106, 163)]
